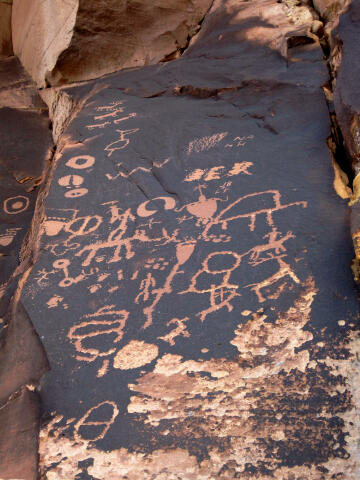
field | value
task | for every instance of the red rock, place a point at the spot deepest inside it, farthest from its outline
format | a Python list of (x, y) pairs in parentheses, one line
[(61, 42), (19, 430), (5, 28)]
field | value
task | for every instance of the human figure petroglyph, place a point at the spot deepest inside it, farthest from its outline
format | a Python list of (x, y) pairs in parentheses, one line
[(105, 321), (146, 284), (179, 330), (284, 271), (42, 276), (119, 240), (219, 298), (116, 239), (122, 142), (221, 292), (183, 253)]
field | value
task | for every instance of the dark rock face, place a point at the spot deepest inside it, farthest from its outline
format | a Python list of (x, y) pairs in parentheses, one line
[(182, 300), (19, 426), (24, 134), (188, 282), (25, 150)]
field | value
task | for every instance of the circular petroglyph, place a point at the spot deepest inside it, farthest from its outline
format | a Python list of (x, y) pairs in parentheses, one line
[(15, 205), (135, 354), (80, 162), (221, 262), (61, 263)]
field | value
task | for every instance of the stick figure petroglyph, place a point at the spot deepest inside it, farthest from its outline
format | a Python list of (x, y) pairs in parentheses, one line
[(216, 280), (183, 253)]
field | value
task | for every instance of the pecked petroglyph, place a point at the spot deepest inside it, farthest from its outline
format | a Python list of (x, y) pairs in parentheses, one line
[(242, 400), (179, 280), (185, 271)]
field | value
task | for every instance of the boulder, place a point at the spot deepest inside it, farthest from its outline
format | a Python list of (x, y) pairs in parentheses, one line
[(61, 42), (41, 30)]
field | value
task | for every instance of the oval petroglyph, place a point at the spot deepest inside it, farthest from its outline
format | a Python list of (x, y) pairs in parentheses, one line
[(135, 354)]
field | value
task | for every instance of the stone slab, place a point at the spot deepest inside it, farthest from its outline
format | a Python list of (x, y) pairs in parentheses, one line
[(192, 287)]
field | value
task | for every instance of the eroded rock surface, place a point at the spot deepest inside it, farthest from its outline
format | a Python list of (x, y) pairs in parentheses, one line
[(19, 426), (91, 38), (189, 282), (25, 150), (330, 9)]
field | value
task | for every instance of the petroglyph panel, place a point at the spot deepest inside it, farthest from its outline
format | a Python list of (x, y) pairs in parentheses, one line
[(188, 287)]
